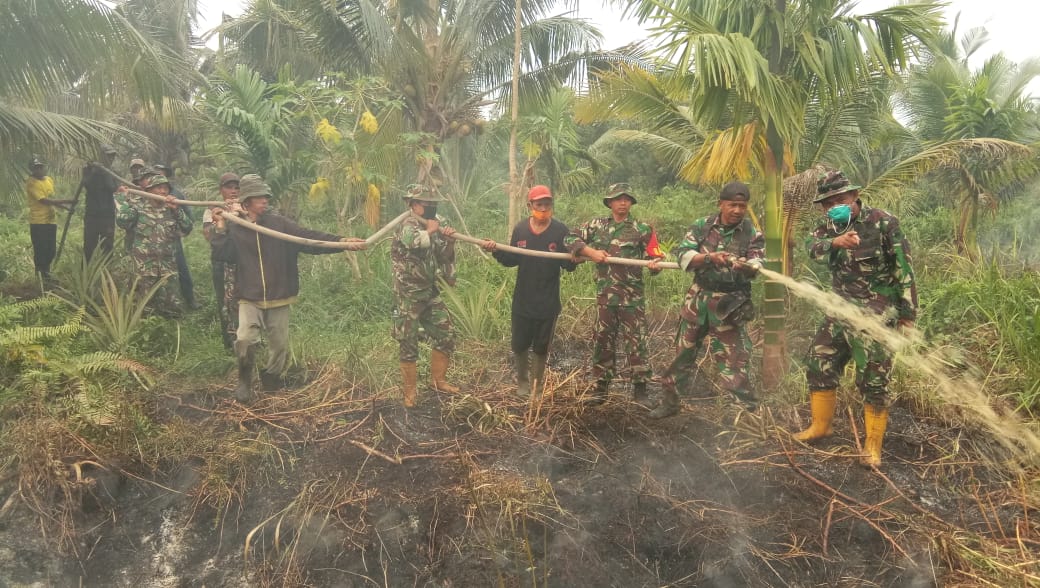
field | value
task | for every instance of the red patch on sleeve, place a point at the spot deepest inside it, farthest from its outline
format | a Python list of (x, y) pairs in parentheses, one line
[(522, 243), (653, 249)]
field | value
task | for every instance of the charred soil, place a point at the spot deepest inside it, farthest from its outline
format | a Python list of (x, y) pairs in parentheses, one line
[(330, 485)]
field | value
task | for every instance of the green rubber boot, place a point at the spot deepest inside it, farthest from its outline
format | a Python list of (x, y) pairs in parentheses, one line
[(523, 378), (538, 372)]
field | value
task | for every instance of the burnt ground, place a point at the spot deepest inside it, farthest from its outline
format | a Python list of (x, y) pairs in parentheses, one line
[(334, 486)]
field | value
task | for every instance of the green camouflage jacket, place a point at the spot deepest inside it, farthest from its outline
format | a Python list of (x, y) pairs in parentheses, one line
[(418, 259), (719, 290), (155, 231), (617, 285), (878, 273)]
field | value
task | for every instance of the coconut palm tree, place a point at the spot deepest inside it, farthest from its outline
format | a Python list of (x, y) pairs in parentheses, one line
[(966, 129), (54, 86), (752, 71), (450, 60)]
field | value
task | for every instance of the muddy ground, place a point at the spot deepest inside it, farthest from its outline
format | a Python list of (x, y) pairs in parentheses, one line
[(326, 486)]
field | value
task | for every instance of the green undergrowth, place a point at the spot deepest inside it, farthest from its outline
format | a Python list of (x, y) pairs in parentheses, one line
[(992, 310)]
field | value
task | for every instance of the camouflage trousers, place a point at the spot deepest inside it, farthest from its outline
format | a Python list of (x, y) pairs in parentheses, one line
[(227, 302), (428, 314), (730, 349), (630, 323), (832, 348), (166, 301)]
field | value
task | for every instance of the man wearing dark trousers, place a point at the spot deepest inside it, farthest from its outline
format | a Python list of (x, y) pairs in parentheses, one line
[(187, 287), (39, 194), (99, 216), (536, 297)]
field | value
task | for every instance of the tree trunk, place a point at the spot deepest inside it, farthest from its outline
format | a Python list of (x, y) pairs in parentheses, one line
[(774, 307), (774, 346), (514, 173)]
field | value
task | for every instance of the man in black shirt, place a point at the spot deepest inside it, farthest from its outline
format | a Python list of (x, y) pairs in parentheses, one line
[(536, 298), (99, 216)]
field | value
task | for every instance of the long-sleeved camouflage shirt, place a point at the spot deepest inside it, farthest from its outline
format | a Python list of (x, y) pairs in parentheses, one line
[(156, 230), (616, 285), (419, 258), (718, 291), (877, 274)]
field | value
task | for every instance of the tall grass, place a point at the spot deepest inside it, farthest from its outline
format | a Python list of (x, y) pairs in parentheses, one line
[(994, 311)]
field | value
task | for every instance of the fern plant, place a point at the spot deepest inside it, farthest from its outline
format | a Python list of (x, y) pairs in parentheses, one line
[(41, 369)]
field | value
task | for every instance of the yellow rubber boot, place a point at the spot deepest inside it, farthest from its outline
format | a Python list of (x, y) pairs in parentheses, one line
[(875, 421), (821, 402), (409, 384), (438, 372)]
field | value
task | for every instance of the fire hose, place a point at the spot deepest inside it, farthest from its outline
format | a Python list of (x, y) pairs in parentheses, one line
[(353, 246)]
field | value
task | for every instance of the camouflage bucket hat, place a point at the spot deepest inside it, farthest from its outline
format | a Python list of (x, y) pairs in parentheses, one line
[(617, 191), (424, 193), (147, 173), (832, 183), (35, 162), (252, 186), (154, 180)]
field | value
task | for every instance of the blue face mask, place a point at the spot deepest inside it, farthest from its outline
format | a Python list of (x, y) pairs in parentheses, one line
[(840, 214)]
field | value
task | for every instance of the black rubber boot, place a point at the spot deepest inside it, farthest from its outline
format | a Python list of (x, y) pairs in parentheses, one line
[(271, 382), (669, 402), (639, 392), (747, 399), (598, 395)]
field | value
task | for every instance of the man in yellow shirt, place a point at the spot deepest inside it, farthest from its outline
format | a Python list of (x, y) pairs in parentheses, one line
[(39, 191)]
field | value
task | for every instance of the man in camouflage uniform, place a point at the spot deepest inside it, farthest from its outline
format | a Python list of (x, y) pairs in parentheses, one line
[(869, 259), (621, 307), (223, 272), (137, 167), (724, 252), (422, 252), (156, 227), (184, 281)]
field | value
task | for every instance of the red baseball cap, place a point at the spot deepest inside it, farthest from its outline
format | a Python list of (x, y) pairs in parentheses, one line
[(538, 192)]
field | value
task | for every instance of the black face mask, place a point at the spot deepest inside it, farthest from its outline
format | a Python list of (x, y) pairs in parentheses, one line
[(429, 212)]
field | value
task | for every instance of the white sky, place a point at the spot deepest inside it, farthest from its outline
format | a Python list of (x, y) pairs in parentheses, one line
[(1011, 23)]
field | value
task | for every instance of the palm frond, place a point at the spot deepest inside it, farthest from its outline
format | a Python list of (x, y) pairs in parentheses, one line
[(23, 126), (948, 155)]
